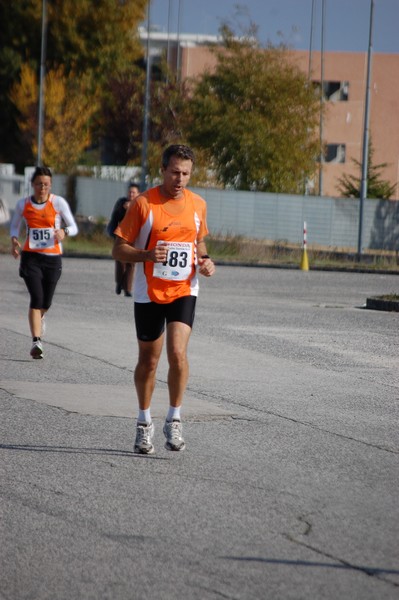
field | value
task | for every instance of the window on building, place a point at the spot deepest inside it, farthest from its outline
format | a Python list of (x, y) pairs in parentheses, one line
[(335, 153), (334, 91)]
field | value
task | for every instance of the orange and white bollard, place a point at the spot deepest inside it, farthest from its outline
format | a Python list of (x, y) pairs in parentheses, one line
[(304, 260)]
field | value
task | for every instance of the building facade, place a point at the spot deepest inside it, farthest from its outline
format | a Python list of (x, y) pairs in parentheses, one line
[(344, 85)]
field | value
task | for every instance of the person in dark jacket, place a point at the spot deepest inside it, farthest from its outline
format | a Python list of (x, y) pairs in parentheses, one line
[(123, 271)]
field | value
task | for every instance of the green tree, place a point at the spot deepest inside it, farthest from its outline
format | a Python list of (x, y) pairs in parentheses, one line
[(87, 38), (169, 97), (122, 117), (168, 121), (123, 113), (256, 116), (350, 185)]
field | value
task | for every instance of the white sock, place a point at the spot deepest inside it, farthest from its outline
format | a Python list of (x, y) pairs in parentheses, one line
[(144, 416), (173, 413)]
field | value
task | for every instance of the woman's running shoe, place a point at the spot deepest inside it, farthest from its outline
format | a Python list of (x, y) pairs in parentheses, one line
[(37, 349)]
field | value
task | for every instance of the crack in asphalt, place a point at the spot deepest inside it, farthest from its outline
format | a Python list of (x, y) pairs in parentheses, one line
[(344, 564)]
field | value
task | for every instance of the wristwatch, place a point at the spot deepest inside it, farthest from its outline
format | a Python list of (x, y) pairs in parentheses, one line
[(66, 230)]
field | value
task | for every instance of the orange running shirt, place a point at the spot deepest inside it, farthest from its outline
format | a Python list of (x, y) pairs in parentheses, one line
[(179, 223), (41, 221)]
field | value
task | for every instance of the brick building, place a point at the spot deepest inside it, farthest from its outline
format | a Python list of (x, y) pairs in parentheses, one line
[(345, 76)]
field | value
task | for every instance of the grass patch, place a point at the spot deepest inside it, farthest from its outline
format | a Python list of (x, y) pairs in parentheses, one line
[(389, 297), (239, 249), (99, 245)]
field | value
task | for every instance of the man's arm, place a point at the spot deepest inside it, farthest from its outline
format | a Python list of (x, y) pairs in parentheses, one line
[(206, 265), (125, 252)]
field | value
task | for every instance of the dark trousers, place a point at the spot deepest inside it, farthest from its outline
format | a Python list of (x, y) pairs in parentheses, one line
[(124, 275)]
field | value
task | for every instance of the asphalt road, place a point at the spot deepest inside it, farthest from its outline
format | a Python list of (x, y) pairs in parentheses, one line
[(288, 488)]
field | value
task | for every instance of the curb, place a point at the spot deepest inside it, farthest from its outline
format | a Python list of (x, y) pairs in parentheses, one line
[(378, 303)]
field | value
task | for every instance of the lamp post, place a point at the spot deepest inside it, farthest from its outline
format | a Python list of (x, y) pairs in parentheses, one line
[(323, 10), (144, 148), (41, 85), (168, 44), (311, 41), (363, 186), (178, 60)]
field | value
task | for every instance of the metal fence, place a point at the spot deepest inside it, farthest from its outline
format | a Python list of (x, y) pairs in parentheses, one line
[(331, 222)]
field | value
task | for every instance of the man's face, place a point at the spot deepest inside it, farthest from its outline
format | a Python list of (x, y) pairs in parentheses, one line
[(132, 193), (176, 176)]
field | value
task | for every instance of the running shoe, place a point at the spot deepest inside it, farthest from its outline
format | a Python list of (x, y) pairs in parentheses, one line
[(144, 435), (37, 350), (43, 329), (173, 432)]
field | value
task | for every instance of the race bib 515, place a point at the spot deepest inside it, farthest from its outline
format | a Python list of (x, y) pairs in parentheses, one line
[(41, 238)]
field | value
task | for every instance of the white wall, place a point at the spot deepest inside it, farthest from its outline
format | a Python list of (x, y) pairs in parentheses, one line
[(331, 222)]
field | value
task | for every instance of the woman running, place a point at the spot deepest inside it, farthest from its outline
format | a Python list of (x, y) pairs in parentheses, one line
[(40, 265)]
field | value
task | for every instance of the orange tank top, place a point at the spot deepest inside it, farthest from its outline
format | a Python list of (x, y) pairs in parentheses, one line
[(41, 222), (178, 223)]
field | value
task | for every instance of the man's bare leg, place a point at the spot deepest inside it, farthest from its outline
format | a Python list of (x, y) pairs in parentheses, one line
[(178, 335), (146, 368), (144, 379)]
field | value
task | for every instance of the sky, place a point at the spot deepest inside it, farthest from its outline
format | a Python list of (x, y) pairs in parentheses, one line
[(346, 22)]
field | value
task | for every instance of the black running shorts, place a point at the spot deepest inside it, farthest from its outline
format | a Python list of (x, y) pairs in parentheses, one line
[(41, 274), (150, 317)]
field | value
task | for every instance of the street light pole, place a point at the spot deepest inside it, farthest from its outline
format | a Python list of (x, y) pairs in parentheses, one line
[(178, 60), (41, 85), (311, 41), (323, 10), (363, 186), (144, 148)]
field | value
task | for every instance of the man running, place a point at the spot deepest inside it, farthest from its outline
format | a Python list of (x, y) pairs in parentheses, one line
[(164, 231)]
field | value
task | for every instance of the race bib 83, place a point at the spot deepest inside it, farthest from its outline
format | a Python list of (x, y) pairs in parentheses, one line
[(178, 265)]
